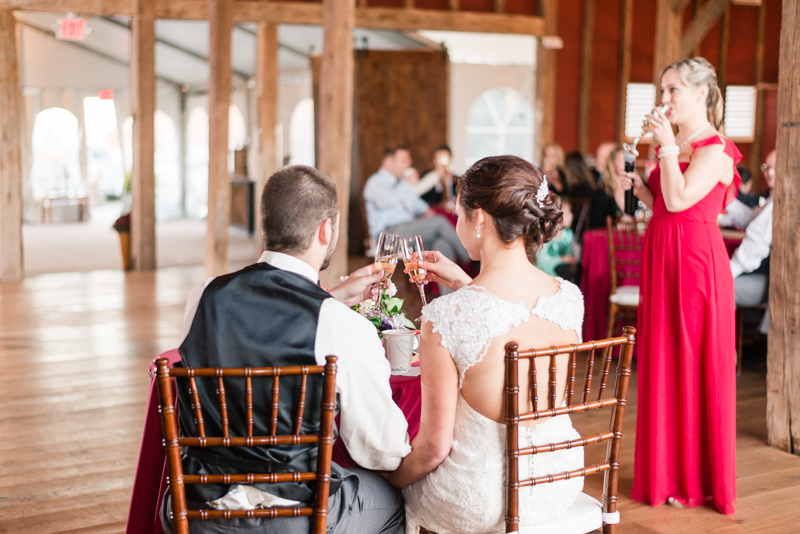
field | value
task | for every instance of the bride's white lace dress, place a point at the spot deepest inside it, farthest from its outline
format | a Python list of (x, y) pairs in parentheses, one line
[(465, 493)]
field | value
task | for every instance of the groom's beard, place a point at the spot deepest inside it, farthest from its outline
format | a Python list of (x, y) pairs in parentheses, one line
[(331, 248)]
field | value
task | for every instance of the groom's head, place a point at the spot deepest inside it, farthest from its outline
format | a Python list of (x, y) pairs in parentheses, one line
[(299, 213)]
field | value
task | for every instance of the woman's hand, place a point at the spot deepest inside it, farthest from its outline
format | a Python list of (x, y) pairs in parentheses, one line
[(658, 124), (635, 181), (624, 181), (442, 271), (359, 286)]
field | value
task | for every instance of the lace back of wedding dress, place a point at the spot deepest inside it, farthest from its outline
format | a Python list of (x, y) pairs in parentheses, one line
[(465, 493)]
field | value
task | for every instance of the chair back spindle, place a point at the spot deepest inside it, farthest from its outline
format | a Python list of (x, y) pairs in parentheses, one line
[(173, 440), (617, 403)]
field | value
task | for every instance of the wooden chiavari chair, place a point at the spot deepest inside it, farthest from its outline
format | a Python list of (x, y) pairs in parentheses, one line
[(625, 244), (586, 514), (173, 442)]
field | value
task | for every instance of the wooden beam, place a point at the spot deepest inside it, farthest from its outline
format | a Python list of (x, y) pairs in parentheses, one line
[(757, 148), (624, 69), (219, 101), (499, 6), (143, 108), (462, 21), (546, 75), (668, 36), (454, 5), (783, 356), (724, 39), (408, 4), (695, 9), (585, 95), (10, 151), (267, 91), (336, 117), (708, 15)]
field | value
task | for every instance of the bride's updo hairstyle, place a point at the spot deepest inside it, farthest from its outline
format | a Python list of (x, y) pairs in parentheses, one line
[(505, 187)]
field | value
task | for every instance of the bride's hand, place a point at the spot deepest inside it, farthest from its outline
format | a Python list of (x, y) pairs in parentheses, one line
[(443, 271)]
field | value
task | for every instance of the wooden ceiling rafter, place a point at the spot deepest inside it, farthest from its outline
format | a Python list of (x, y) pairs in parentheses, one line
[(400, 19)]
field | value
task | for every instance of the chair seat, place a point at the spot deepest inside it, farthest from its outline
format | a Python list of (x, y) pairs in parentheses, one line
[(585, 515), (626, 296)]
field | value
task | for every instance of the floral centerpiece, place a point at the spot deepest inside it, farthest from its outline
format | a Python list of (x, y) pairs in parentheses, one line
[(392, 315)]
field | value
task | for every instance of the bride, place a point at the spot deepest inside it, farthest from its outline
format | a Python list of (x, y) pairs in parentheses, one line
[(453, 478)]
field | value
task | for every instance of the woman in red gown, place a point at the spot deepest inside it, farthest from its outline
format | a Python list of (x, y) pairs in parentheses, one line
[(686, 415)]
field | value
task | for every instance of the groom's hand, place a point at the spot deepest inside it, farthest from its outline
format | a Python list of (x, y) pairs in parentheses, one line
[(359, 286)]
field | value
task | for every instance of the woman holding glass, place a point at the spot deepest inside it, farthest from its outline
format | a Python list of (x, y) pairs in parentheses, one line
[(686, 414), (455, 472)]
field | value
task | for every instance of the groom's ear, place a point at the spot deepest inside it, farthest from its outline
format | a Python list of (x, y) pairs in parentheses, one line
[(325, 233)]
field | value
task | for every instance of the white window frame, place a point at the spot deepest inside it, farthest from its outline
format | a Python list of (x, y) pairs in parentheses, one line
[(740, 122)]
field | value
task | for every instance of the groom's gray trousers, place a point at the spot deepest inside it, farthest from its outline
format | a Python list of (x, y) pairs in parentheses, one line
[(364, 504)]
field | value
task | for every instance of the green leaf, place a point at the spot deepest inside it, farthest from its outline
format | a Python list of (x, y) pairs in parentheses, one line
[(409, 324)]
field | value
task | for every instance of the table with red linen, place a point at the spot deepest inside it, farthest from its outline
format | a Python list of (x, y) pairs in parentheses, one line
[(150, 482), (596, 278)]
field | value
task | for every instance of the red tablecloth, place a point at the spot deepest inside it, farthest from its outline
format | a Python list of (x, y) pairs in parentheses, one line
[(150, 482), (596, 280)]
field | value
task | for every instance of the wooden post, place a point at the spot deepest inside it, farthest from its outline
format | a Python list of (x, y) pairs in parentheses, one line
[(336, 117), (267, 89), (724, 38), (706, 17), (624, 72), (546, 74), (584, 107), (10, 151), (668, 37), (783, 357), (143, 108), (757, 148), (219, 101)]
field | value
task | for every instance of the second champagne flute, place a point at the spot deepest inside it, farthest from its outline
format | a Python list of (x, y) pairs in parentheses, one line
[(386, 255), (412, 256)]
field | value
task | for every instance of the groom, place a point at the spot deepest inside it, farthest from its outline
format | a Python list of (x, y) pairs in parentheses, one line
[(275, 313)]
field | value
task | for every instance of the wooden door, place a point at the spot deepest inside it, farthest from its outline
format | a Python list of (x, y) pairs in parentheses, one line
[(400, 98)]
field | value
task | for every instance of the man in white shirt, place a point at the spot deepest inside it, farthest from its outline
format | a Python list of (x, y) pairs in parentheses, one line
[(275, 313), (750, 261), (393, 207)]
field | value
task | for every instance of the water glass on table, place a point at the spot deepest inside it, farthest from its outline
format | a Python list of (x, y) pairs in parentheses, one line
[(412, 257)]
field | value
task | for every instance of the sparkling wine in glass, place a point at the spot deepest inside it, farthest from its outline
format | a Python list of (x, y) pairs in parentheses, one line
[(412, 257), (386, 255)]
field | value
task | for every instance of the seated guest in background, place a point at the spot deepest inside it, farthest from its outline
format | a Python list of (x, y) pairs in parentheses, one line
[(750, 261), (609, 199), (579, 179), (275, 313), (437, 185), (600, 158), (394, 207), (746, 195), (738, 214), (560, 257), (553, 167)]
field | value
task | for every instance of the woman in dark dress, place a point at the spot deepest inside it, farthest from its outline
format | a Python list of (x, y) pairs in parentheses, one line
[(580, 182), (609, 199)]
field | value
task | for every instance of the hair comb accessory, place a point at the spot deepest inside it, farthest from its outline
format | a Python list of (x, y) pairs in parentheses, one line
[(542, 192)]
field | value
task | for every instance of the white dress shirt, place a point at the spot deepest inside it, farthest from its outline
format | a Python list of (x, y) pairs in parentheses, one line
[(756, 244), (737, 215), (389, 201), (372, 427)]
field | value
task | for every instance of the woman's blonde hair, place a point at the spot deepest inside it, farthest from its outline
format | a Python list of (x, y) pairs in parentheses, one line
[(696, 72), (559, 154), (610, 185)]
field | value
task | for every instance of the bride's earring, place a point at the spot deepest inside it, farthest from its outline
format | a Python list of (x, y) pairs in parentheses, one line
[(478, 231)]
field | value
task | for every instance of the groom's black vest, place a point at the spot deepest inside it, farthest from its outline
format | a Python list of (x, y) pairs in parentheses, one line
[(257, 317)]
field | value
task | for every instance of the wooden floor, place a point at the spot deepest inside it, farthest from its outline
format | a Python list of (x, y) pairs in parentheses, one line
[(74, 353)]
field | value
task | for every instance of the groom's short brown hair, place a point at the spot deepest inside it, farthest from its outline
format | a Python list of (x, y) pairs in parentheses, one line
[(295, 201)]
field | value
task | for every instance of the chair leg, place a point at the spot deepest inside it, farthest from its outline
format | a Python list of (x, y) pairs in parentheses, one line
[(739, 339), (610, 529), (612, 318)]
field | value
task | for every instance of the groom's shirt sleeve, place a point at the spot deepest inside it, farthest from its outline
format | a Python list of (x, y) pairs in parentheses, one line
[(373, 428)]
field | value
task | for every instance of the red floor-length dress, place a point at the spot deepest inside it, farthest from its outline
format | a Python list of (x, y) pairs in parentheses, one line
[(686, 415)]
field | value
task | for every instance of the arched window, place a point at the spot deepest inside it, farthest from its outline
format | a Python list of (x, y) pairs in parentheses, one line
[(166, 163), (500, 122), (197, 164), (237, 134), (56, 169), (104, 154), (301, 134)]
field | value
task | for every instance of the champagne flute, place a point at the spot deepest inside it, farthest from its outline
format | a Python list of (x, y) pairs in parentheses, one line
[(412, 256), (386, 255)]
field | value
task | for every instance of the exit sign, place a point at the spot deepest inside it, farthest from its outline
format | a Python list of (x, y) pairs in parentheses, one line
[(70, 29)]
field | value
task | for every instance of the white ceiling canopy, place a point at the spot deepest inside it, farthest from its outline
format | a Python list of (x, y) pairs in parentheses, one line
[(485, 48)]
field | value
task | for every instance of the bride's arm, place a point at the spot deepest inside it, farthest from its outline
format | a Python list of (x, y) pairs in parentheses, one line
[(439, 396)]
